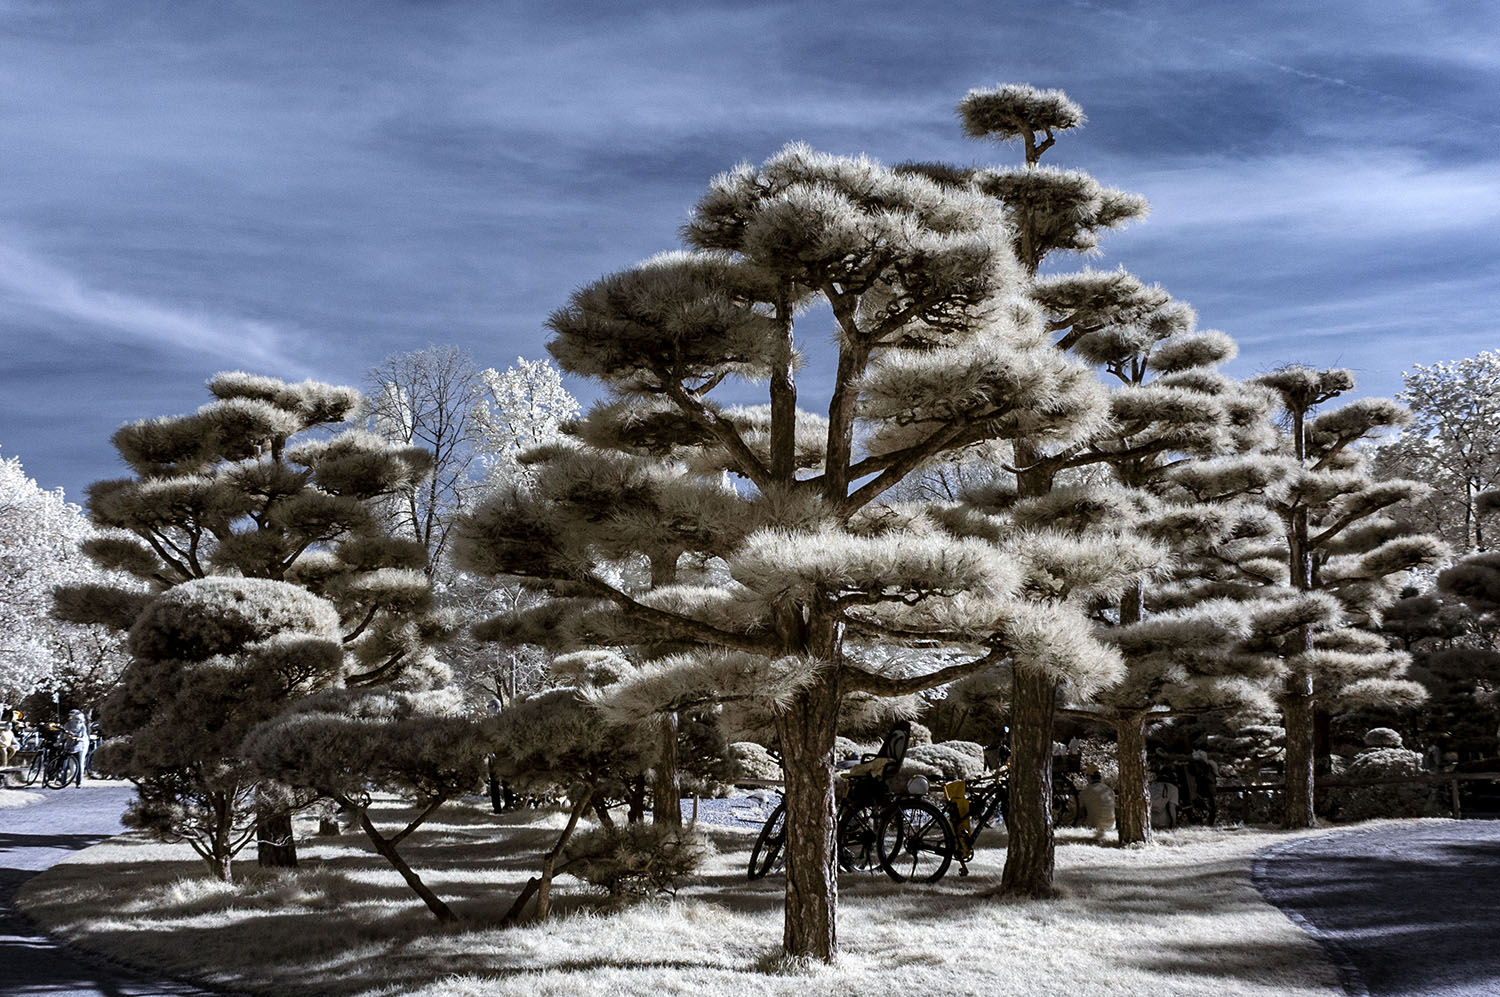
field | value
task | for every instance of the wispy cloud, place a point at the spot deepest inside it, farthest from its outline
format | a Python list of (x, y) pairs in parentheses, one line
[(30, 282)]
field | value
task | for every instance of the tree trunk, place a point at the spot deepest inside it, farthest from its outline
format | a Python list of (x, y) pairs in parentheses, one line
[(1133, 801), (1029, 855), (635, 799), (1297, 714), (549, 861), (667, 790), (275, 846), (806, 731), (388, 851), (223, 865)]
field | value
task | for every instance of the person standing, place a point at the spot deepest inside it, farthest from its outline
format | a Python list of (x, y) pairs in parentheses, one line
[(77, 730)]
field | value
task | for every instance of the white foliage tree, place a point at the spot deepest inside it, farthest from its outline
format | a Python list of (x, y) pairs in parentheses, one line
[(40, 534)]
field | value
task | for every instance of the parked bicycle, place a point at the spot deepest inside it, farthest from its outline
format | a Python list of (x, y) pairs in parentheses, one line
[(864, 805), (53, 761), (919, 841)]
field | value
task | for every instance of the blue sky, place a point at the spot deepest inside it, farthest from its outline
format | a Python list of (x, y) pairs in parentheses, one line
[(300, 188)]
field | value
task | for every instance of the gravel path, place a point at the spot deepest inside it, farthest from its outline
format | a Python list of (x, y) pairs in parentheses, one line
[(36, 837), (1404, 910)]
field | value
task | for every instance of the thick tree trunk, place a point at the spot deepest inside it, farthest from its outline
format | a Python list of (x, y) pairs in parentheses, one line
[(434, 903), (1133, 800), (1297, 714), (275, 845), (806, 731), (1029, 855), (666, 791)]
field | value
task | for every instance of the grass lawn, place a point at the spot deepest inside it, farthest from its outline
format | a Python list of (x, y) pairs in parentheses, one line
[(1179, 917)]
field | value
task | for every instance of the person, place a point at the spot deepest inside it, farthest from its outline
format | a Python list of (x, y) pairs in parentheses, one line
[(77, 730), (8, 745), (1096, 802), (1164, 801)]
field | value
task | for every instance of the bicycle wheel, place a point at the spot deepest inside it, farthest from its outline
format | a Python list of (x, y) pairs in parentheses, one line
[(33, 770), (765, 857), (915, 842), (65, 772), (858, 851), (1064, 805)]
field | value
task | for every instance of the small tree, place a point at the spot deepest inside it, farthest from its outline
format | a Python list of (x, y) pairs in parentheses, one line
[(210, 658), (555, 737), (416, 743), (243, 488)]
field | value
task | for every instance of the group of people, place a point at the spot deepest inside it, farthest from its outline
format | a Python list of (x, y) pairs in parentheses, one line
[(1096, 803), (75, 738)]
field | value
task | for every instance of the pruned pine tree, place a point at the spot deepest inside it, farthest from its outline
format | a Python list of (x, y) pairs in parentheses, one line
[(659, 508), (555, 738), (417, 742), (1171, 409), (1471, 662), (1337, 538), (1475, 580), (211, 658), (1117, 322), (244, 487), (933, 351)]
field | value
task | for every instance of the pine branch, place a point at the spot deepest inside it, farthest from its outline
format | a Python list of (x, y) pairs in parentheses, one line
[(747, 463), (858, 680), (681, 626)]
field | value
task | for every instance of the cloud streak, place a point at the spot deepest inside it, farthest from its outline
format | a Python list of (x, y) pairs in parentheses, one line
[(28, 282)]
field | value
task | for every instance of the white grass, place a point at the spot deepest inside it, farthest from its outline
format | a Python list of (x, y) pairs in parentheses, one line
[(1179, 918), (17, 797)]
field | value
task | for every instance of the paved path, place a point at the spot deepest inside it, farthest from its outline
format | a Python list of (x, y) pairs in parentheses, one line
[(36, 837), (1404, 910)]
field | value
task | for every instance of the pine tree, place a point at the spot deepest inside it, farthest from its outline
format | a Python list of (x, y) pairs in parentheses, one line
[(1339, 541), (1115, 321), (933, 352), (243, 488)]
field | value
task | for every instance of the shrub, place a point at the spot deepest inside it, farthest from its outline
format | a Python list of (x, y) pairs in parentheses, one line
[(1399, 800), (943, 762), (751, 761), (636, 861)]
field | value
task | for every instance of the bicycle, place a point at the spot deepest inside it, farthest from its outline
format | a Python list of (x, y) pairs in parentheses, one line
[(861, 809), (921, 842)]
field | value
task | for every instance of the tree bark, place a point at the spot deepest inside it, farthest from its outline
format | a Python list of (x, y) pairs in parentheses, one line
[(1029, 855), (666, 791), (275, 845), (549, 861), (1297, 714), (806, 731), (1133, 801)]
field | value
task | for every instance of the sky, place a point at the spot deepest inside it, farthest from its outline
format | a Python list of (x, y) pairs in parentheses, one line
[(301, 188)]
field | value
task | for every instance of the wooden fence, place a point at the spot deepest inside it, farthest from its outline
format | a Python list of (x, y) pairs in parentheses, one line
[(1452, 779)]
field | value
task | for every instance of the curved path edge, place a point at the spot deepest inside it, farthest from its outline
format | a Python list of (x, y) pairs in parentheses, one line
[(1402, 908), (33, 839), (1350, 977)]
